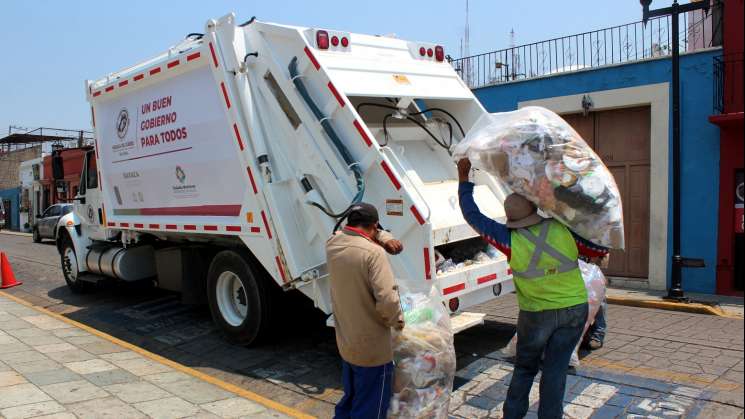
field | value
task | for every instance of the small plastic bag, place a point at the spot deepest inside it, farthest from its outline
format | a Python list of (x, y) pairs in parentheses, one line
[(535, 153), (595, 283), (424, 357)]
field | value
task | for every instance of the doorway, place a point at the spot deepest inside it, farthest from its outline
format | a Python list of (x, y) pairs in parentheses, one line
[(621, 137)]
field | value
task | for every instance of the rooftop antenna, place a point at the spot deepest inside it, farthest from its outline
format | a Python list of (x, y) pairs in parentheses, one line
[(513, 57), (467, 47), (512, 38)]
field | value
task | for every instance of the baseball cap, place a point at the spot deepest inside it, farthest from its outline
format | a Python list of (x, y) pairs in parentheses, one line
[(362, 214)]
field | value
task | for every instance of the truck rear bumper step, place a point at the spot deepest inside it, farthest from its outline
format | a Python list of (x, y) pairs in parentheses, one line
[(466, 320)]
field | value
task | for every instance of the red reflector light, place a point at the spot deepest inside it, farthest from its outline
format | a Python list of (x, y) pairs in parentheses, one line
[(454, 304), (334, 41), (344, 41), (322, 40), (439, 53), (422, 51), (429, 52)]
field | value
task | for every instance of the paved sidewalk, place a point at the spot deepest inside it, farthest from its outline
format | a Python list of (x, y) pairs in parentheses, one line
[(53, 369)]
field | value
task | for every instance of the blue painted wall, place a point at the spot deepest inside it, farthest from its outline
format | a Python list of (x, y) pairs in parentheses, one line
[(699, 142), (14, 195)]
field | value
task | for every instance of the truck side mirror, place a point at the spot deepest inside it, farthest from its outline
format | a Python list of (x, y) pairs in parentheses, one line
[(58, 169)]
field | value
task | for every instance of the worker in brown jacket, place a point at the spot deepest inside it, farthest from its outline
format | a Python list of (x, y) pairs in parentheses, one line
[(364, 296)]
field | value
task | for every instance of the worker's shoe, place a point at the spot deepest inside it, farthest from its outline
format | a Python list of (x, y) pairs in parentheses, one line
[(594, 344)]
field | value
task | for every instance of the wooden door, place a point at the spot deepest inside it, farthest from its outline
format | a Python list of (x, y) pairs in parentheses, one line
[(621, 137)]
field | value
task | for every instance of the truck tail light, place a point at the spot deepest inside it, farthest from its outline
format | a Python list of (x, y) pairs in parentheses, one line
[(429, 52), (454, 304), (335, 40), (322, 39), (422, 51), (439, 53), (344, 41)]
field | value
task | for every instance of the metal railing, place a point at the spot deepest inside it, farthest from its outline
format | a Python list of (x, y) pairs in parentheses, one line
[(609, 46), (728, 83)]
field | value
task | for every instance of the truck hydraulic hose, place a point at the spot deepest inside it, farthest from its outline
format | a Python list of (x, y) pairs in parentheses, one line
[(409, 117), (352, 164)]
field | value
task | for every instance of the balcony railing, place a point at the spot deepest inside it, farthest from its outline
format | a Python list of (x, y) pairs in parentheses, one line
[(609, 46), (728, 83)]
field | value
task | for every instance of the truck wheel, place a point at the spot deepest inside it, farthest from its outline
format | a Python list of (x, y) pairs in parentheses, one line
[(70, 267), (238, 298), (36, 235)]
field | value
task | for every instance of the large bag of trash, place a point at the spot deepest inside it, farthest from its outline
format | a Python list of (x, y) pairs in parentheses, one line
[(595, 284), (424, 356), (535, 153)]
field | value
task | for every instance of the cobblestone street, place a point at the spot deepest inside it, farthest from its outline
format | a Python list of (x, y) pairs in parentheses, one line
[(654, 362)]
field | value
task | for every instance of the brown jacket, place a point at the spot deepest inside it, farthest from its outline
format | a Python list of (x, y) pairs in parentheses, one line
[(364, 297)]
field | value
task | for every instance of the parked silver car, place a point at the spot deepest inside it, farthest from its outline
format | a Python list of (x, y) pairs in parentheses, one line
[(46, 223)]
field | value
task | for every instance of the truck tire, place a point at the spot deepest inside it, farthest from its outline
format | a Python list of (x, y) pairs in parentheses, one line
[(70, 268), (239, 300)]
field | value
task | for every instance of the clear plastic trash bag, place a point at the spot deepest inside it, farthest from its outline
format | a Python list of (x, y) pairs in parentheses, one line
[(537, 154), (424, 356)]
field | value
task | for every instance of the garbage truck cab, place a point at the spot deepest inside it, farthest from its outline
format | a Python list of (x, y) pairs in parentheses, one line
[(222, 166)]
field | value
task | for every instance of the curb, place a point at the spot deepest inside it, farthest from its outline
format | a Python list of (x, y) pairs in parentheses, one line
[(271, 404), (696, 308), (15, 233)]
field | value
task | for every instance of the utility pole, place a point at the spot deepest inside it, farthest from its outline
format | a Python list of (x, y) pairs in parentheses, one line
[(675, 292)]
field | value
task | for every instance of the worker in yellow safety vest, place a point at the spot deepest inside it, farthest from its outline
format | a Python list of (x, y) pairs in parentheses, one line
[(551, 293)]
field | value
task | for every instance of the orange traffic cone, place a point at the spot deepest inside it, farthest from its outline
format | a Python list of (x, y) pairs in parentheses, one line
[(7, 279)]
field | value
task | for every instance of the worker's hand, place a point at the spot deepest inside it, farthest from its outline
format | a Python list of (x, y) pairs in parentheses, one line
[(604, 262), (393, 246), (601, 262), (464, 168)]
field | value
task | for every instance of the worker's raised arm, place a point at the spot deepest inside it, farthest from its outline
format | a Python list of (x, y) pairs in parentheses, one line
[(389, 243), (385, 290), (497, 234)]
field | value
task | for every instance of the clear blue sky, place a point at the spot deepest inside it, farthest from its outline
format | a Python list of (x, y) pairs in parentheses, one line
[(50, 47)]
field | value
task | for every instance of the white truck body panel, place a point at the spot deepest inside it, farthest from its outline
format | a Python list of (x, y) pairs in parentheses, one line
[(195, 145)]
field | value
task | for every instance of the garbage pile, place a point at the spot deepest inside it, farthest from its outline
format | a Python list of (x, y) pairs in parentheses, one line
[(445, 264), (535, 153), (424, 357)]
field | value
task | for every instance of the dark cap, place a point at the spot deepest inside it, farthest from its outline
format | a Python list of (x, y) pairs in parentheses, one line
[(362, 214)]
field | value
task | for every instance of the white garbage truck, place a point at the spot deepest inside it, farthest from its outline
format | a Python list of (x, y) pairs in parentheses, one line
[(223, 165)]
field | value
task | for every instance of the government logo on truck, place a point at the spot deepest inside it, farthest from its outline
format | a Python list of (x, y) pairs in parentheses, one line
[(122, 123)]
